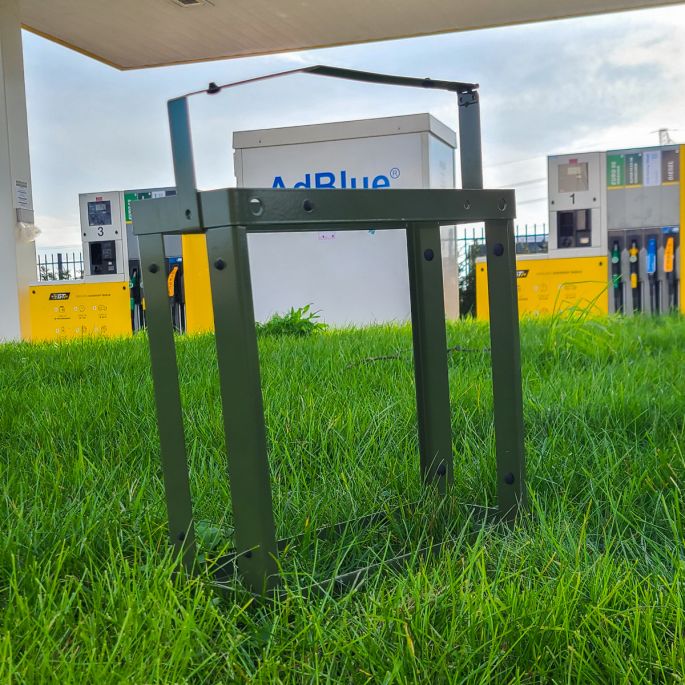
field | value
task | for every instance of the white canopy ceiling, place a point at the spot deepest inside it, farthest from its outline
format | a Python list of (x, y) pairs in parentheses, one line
[(131, 34)]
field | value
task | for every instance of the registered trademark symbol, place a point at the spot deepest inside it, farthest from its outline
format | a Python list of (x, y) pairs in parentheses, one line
[(394, 172)]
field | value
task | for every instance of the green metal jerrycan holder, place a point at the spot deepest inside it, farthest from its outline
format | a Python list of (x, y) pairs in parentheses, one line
[(225, 217)]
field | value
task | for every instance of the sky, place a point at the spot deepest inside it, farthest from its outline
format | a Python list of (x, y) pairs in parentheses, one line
[(574, 85)]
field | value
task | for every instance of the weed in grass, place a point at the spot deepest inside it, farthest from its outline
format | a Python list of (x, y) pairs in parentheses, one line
[(587, 589), (298, 322)]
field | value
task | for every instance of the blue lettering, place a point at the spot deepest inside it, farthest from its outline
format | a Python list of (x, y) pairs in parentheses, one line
[(325, 179), (307, 183)]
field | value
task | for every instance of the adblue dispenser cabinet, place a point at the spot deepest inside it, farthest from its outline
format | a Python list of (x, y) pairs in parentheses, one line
[(350, 277)]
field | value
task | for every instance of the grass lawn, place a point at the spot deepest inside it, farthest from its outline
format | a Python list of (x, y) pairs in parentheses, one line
[(587, 589)]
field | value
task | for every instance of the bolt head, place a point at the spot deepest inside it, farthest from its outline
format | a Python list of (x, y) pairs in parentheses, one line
[(509, 479), (220, 264), (428, 255), (256, 206), (498, 250), (153, 268)]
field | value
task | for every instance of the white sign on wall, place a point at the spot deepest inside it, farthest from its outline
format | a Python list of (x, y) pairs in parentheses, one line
[(22, 195)]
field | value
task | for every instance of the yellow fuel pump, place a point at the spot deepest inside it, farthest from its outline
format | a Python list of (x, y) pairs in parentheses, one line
[(613, 244)]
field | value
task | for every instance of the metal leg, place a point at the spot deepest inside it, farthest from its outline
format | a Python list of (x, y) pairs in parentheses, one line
[(430, 353), (506, 367), (167, 398), (241, 396)]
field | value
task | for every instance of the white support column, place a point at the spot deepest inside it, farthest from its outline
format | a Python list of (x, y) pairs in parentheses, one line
[(17, 258)]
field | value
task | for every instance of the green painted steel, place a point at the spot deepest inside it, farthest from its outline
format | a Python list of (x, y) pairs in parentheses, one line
[(243, 412), (390, 80), (349, 74), (297, 210), (470, 153), (430, 354), (256, 546), (506, 367), (187, 215), (167, 398), (227, 216)]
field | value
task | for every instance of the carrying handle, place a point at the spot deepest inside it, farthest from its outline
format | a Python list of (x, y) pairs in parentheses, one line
[(190, 216)]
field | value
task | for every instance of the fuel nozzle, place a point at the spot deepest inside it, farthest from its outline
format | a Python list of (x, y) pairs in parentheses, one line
[(654, 298), (134, 288), (669, 261), (633, 259), (616, 279)]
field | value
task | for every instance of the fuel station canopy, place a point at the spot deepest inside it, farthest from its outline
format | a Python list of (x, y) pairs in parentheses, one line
[(130, 34)]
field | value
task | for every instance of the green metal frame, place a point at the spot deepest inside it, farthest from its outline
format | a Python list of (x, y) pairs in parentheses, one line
[(225, 217)]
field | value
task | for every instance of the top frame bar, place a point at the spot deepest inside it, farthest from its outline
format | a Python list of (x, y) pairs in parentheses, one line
[(284, 210)]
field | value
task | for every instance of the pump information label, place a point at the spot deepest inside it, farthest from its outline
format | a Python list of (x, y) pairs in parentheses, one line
[(552, 285), (670, 167), (646, 168), (132, 197), (616, 171), (75, 310), (633, 165), (651, 161)]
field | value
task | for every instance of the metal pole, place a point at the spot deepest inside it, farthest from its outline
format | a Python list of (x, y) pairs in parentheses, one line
[(184, 167), (470, 140)]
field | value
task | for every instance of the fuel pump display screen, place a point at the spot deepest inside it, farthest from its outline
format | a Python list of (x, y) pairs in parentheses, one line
[(100, 213), (573, 178)]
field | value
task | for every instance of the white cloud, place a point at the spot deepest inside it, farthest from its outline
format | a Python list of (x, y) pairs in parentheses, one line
[(57, 231)]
